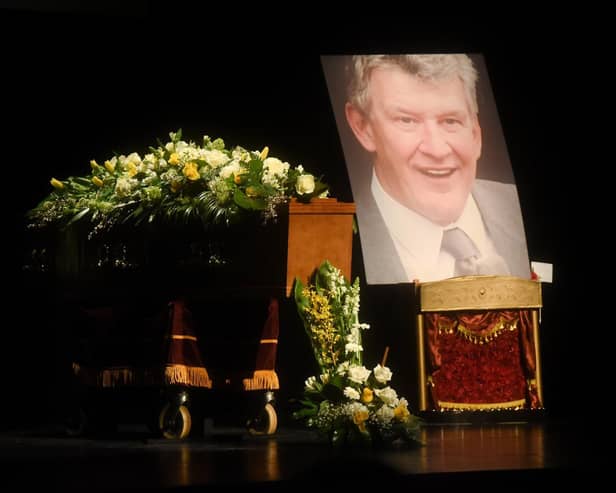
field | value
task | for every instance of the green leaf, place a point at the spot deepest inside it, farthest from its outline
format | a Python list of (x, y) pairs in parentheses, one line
[(245, 202), (322, 275), (78, 216), (332, 392), (305, 413), (301, 301)]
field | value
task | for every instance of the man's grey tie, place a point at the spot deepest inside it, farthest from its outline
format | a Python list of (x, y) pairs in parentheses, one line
[(457, 243)]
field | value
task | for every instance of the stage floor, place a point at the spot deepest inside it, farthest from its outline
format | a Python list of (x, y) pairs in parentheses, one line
[(505, 456)]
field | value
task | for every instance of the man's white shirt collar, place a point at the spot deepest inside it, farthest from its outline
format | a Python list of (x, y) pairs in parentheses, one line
[(418, 240)]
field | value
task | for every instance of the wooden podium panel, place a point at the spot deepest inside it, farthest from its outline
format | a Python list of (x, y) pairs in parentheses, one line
[(319, 230)]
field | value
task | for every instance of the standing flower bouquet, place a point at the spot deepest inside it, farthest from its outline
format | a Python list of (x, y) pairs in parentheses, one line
[(347, 402), (178, 180)]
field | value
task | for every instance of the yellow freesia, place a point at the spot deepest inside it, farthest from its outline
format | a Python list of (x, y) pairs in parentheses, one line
[(360, 418), (190, 171), (174, 159), (401, 412), (57, 184), (367, 395)]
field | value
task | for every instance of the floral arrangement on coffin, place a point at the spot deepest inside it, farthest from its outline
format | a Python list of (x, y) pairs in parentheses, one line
[(347, 402), (178, 180)]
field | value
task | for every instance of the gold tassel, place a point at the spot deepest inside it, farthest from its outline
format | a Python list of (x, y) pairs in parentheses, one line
[(114, 376), (261, 380), (195, 376), (468, 406)]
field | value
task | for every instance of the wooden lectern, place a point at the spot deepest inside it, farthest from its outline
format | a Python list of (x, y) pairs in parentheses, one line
[(319, 230), (478, 344)]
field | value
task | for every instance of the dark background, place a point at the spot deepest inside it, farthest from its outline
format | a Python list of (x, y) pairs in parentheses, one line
[(80, 82)]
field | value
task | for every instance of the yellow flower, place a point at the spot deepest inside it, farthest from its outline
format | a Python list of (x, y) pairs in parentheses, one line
[(264, 153), (97, 181), (57, 184), (252, 192), (237, 178), (401, 413), (94, 165), (367, 395), (190, 171), (360, 418), (132, 169), (174, 159), (110, 166)]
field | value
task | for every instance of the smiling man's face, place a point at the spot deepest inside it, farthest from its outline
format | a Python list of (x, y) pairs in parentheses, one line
[(425, 139)]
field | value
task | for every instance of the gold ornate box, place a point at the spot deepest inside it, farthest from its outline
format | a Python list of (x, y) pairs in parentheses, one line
[(478, 344)]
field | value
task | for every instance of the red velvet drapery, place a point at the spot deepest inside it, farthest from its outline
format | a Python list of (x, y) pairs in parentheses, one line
[(481, 360)]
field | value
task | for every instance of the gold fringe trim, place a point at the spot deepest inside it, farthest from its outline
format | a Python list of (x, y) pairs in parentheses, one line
[(110, 377), (269, 341), (115, 376), (176, 337), (478, 338), (195, 376), (492, 406), (262, 380)]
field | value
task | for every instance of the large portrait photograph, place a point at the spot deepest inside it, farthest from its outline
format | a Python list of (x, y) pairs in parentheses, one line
[(428, 166)]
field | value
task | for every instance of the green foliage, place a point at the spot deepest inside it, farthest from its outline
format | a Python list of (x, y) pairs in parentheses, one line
[(177, 181)]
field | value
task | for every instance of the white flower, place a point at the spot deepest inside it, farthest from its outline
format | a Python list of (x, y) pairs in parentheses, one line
[(387, 395), (304, 184), (240, 154), (385, 414), (382, 374), (310, 383), (355, 407), (352, 347), (342, 368), (351, 393), (358, 374), (180, 146), (229, 169), (215, 158), (274, 172), (124, 186), (274, 166)]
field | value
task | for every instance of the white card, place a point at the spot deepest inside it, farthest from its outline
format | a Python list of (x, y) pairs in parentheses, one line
[(543, 270)]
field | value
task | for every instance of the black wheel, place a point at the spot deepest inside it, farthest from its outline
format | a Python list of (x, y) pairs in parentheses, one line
[(76, 422), (174, 422), (266, 423)]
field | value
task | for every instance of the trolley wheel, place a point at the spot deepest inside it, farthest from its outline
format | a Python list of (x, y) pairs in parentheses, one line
[(76, 422), (174, 422), (266, 423)]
